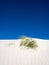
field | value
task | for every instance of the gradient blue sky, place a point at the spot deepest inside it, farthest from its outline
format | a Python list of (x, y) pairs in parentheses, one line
[(24, 17)]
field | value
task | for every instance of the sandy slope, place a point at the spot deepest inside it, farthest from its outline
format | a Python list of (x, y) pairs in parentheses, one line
[(12, 54)]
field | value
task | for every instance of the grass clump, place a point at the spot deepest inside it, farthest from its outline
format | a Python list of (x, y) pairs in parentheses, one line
[(27, 42)]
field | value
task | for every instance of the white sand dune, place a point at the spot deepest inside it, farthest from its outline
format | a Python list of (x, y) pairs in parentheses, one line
[(12, 54)]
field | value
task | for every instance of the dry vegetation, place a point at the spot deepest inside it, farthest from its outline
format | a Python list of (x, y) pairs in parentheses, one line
[(28, 42)]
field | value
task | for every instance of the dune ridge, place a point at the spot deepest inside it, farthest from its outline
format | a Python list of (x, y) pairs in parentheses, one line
[(12, 54)]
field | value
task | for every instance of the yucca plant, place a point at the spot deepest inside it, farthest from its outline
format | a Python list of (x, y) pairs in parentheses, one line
[(27, 42)]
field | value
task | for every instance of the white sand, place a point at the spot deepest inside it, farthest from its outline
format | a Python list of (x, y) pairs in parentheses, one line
[(12, 54)]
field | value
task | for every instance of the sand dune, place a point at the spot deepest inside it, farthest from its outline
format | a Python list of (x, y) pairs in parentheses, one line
[(12, 54)]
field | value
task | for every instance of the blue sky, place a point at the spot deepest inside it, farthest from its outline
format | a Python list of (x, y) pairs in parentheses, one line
[(24, 17)]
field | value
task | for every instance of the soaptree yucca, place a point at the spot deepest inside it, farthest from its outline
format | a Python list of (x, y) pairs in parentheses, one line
[(28, 42)]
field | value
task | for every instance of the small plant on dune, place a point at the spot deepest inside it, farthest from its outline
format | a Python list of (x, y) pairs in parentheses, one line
[(27, 42)]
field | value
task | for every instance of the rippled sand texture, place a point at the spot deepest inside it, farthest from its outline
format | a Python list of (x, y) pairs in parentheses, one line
[(12, 54)]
